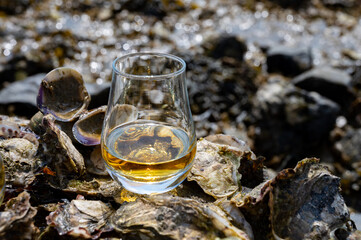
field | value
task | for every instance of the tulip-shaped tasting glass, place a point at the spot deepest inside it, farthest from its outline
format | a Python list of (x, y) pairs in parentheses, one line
[(148, 137)]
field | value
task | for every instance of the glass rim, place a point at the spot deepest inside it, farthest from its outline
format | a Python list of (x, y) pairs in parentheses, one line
[(147, 77)]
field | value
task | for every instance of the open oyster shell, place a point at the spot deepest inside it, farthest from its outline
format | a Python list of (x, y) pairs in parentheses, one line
[(87, 130), (300, 203), (167, 217), (217, 163), (62, 93), (81, 219), (17, 221)]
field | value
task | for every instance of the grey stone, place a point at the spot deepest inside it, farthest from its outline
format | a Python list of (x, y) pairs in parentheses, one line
[(329, 82), (288, 61), (290, 120)]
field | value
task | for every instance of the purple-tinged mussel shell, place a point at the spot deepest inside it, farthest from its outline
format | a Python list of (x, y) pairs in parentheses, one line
[(62, 93), (87, 130)]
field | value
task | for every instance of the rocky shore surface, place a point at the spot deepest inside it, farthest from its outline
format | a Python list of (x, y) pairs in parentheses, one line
[(282, 77)]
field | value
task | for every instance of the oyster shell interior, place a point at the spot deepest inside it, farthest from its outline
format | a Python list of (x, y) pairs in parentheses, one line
[(87, 130), (62, 93)]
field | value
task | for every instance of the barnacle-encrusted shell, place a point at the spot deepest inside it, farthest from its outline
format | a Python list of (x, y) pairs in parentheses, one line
[(105, 187), (216, 165), (81, 218), (17, 221), (18, 155), (167, 217), (60, 152), (87, 130), (298, 203), (62, 93)]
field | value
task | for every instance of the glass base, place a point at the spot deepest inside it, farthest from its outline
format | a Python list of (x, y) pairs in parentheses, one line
[(150, 187)]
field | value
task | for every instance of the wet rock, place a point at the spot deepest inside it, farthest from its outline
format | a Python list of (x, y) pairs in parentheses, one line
[(99, 94), (339, 3), (14, 7), (288, 61), (17, 220), (290, 3), (81, 219), (229, 46), (22, 95), (286, 116), (167, 217), (349, 146), (348, 154), (329, 82), (300, 203), (148, 7), (19, 156)]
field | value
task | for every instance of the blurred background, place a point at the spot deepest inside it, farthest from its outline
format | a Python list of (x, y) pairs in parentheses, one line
[(282, 75)]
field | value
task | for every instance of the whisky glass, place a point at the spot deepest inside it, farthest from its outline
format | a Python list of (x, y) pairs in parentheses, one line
[(148, 138)]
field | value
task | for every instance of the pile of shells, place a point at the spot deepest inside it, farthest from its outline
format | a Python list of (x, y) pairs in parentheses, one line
[(57, 188)]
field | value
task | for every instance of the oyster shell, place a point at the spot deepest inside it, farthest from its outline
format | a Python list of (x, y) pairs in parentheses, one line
[(105, 187), (19, 156), (216, 165), (81, 219), (16, 128), (167, 217), (62, 93), (17, 221), (60, 153), (297, 203), (87, 130), (95, 163)]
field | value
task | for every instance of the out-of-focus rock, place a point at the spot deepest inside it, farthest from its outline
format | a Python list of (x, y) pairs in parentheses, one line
[(339, 3), (286, 117), (22, 95), (288, 61), (17, 221), (300, 203), (14, 7), (217, 165), (291, 3), (19, 156), (229, 46), (81, 219), (167, 217), (329, 82), (348, 155)]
